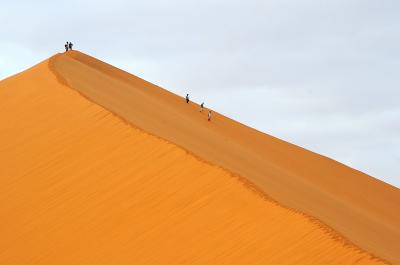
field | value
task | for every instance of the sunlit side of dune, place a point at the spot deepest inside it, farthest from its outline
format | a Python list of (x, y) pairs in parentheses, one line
[(361, 208), (80, 186)]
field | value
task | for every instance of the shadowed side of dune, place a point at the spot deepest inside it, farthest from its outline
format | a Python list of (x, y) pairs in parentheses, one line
[(363, 209), (80, 186)]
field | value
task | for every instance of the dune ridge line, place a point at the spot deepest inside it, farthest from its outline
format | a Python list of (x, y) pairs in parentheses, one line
[(356, 205), (332, 233)]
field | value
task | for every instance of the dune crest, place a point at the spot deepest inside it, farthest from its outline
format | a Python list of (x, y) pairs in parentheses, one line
[(80, 186), (361, 208)]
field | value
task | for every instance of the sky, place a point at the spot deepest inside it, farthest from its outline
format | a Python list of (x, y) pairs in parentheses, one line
[(324, 75)]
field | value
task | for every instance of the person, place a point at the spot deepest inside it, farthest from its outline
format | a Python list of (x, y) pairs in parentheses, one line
[(187, 98), (66, 46), (201, 107), (209, 115), (70, 45)]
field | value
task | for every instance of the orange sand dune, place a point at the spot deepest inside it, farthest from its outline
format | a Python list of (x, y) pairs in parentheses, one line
[(80, 186), (363, 209)]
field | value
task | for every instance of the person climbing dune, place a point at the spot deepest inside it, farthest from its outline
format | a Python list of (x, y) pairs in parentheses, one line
[(70, 45), (187, 98), (66, 46), (201, 107), (209, 115)]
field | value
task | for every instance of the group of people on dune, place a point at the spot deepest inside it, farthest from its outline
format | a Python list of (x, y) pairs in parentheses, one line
[(68, 46), (201, 107)]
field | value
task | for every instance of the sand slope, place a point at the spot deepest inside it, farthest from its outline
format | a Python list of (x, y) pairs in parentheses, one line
[(361, 208), (80, 186)]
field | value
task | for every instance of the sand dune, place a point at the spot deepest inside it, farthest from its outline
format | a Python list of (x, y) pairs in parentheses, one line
[(79, 185)]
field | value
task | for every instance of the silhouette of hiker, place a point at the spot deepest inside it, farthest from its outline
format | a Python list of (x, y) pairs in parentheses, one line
[(187, 98), (209, 115), (201, 107), (66, 46), (70, 45)]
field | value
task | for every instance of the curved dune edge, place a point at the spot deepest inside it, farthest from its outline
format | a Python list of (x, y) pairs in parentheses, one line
[(363, 209), (360, 207), (329, 231)]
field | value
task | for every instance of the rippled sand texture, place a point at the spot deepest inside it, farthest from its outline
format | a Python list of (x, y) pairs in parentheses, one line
[(78, 185)]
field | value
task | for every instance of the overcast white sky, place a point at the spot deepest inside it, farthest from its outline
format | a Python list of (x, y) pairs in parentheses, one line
[(321, 74)]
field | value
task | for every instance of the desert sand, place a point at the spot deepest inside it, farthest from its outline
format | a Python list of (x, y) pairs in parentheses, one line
[(101, 167)]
